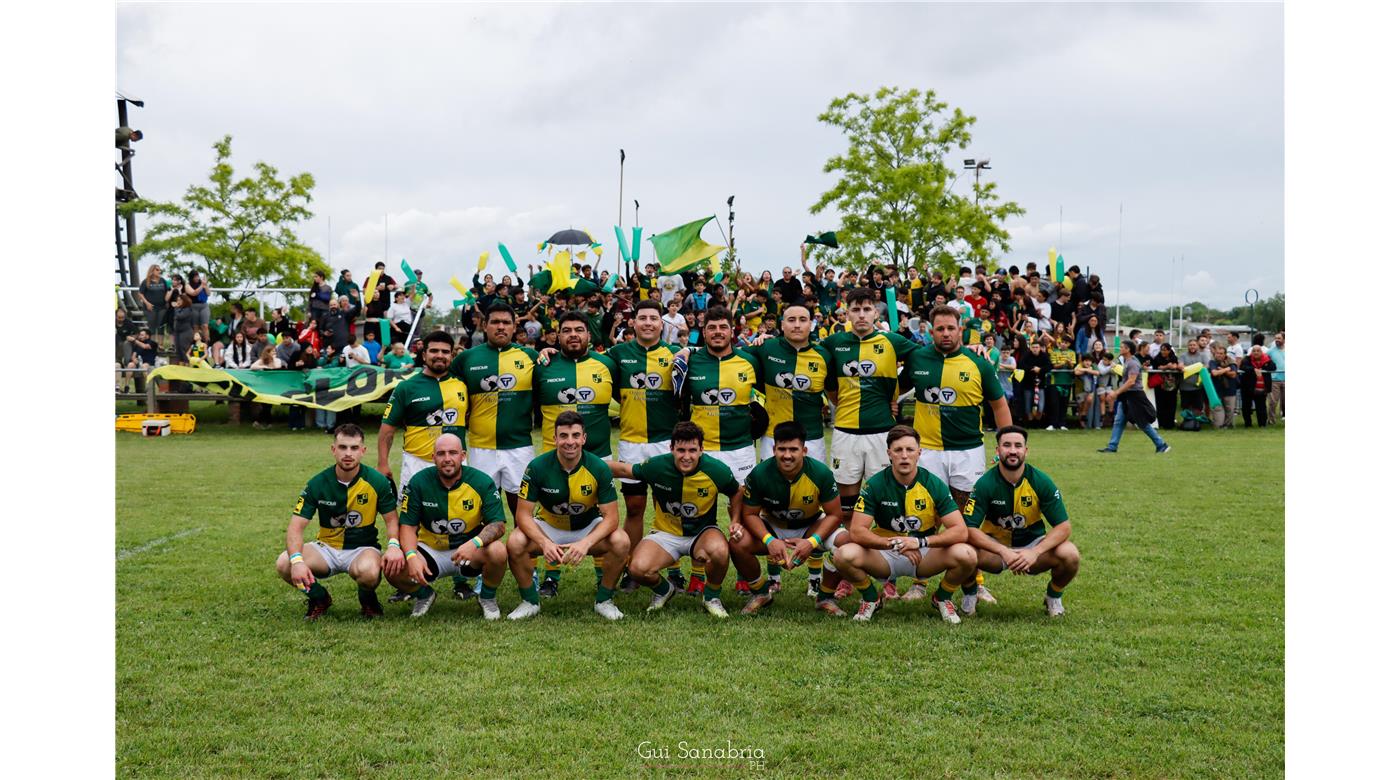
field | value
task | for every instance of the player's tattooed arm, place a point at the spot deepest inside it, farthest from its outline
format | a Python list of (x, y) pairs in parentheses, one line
[(492, 532)]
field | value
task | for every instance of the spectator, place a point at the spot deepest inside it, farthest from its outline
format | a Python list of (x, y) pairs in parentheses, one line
[(790, 287), (1087, 376), (1079, 287), (1132, 405), (1061, 384), (287, 349), (281, 323), (182, 315), (397, 357), (215, 357), (143, 357), (1090, 330), (355, 354), (1159, 337), (673, 324), (1165, 382), (350, 292), (1276, 393), (153, 297), (1256, 382), (310, 335), (194, 356), (319, 297), (1227, 384), (698, 300), (239, 353), (262, 413), (377, 300), (1061, 311), (373, 347), (126, 334), (252, 325), (1193, 396), (1107, 382), (335, 325), (1035, 367), (400, 318), (198, 291)]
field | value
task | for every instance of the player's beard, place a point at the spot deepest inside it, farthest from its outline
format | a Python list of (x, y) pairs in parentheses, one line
[(449, 471), (1013, 461), (576, 351)]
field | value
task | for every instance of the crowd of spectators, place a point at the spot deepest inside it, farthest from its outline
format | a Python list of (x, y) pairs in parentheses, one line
[(1047, 338)]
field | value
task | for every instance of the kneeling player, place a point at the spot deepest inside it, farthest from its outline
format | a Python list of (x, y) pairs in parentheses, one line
[(572, 492), (345, 498), (1007, 516), (791, 507), (892, 531), (451, 520), (686, 484)]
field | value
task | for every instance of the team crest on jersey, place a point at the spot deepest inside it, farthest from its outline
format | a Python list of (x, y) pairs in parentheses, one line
[(861, 368), (806, 499), (597, 378), (743, 376), (1025, 501), (501, 382), (644, 380), (519, 365), (587, 490), (703, 492), (576, 395), (920, 504), (813, 366), (468, 504), (461, 397), (878, 348), (963, 377), (663, 361), (362, 499)]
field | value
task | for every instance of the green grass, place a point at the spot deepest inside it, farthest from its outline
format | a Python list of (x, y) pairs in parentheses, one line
[(1169, 663)]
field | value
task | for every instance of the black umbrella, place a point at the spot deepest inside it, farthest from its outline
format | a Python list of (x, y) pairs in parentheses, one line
[(570, 237)]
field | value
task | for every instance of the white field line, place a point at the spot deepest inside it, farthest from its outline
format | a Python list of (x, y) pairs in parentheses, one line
[(154, 543)]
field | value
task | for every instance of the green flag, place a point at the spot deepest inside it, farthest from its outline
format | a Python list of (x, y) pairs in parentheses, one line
[(825, 239), (681, 248)]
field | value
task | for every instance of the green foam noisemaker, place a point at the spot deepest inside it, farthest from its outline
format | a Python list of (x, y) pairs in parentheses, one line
[(621, 241), (384, 330), (1207, 383), (893, 312), (636, 244), (610, 283), (505, 255)]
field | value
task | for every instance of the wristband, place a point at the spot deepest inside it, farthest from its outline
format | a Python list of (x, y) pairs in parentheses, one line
[(769, 539), (476, 541), (395, 543), (410, 554), (815, 540), (295, 558)]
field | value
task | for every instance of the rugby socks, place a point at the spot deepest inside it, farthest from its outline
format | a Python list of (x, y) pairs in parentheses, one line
[(551, 571), (488, 592), (367, 596), (662, 587), (458, 579), (776, 569), (826, 593), (814, 565), (970, 589), (531, 594), (759, 587), (946, 589), (317, 592), (597, 574), (712, 590), (674, 572), (1052, 593), (868, 591), (602, 595), (423, 592)]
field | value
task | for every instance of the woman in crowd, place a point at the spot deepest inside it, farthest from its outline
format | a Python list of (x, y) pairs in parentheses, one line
[(262, 413), (198, 291), (1090, 332), (1088, 377), (1256, 380), (153, 290), (239, 353), (1165, 385), (182, 315), (1108, 382)]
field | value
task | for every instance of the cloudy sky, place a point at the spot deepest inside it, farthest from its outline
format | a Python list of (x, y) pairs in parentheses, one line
[(469, 125)]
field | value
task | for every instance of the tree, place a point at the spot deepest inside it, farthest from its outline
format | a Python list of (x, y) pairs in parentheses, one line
[(236, 231), (895, 193)]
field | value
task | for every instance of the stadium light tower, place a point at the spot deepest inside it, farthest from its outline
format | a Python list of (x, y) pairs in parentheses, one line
[(977, 166), (126, 265)]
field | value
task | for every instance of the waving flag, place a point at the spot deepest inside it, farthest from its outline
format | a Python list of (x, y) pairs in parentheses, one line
[(681, 248)]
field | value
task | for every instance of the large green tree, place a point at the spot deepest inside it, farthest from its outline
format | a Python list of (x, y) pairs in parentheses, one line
[(895, 189), (237, 231)]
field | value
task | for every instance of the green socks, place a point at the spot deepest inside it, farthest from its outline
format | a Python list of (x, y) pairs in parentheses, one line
[(318, 591), (488, 592), (662, 586), (603, 595), (423, 592), (530, 594), (1051, 592)]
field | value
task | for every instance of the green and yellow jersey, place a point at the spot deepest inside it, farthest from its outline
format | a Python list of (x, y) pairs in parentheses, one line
[(720, 390), (751, 313), (795, 503), (499, 384), (644, 389), (1062, 359), (1018, 514), (685, 503), (793, 383), (974, 329), (448, 516), (346, 510), (865, 374), (568, 500), (426, 408), (948, 395), (584, 385), (905, 511)]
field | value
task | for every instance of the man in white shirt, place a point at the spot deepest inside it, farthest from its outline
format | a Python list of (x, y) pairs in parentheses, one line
[(1235, 350), (355, 353), (1158, 339), (673, 328)]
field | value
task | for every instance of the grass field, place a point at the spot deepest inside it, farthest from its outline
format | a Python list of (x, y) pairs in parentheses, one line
[(1169, 662)]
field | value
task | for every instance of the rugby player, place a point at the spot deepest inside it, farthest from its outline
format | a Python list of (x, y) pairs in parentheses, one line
[(1016, 520), (865, 379), (950, 383), (451, 519), (894, 531), (580, 380), (720, 385), (426, 405), (567, 509), (686, 484), (790, 509), (644, 391), (345, 499), (795, 374)]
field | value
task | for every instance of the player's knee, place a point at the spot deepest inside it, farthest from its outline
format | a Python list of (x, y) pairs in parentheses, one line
[(515, 544), (963, 556), (620, 543), (846, 554), (1068, 555), (284, 569), (496, 552)]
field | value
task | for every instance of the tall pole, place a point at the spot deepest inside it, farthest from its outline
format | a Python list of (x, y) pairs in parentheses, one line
[(130, 185), (386, 239), (621, 163), (1118, 294)]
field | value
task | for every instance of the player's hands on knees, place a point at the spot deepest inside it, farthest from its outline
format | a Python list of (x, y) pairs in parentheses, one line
[(462, 556), (302, 576), (575, 552), (1030, 557), (393, 562), (913, 554), (1015, 561), (777, 552), (551, 551), (417, 570), (801, 551), (736, 531)]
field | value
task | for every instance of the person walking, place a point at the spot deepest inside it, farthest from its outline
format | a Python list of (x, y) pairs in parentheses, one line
[(1132, 404)]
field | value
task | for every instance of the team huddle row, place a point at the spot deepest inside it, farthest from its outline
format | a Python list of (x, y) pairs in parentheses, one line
[(897, 501)]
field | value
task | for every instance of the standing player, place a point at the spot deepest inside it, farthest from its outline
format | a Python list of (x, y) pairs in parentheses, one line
[(458, 510), (686, 484), (791, 510), (499, 377), (950, 384), (577, 379), (865, 380), (1015, 502), (644, 391), (794, 377), (567, 509), (719, 387), (892, 531), (426, 405), (345, 499)]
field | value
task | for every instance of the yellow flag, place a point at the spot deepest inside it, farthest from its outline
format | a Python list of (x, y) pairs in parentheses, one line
[(481, 261), (372, 284), (456, 284), (559, 269), (1193, 370), (1019, 373)]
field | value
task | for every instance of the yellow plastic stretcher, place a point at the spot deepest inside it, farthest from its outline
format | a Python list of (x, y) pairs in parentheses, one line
[(156, 424)]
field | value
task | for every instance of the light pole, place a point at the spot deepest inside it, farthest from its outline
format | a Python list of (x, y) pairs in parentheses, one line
[(977, 166), (126, 264)]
